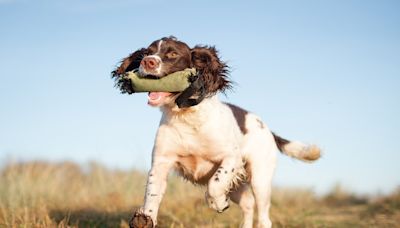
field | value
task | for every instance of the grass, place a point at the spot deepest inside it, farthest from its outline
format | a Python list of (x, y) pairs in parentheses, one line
[(40, 194)]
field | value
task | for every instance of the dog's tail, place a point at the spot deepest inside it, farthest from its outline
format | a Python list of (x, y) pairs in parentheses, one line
[(296, 149)]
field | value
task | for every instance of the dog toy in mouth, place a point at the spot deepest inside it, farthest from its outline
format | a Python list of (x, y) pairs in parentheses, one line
[(175, 82)]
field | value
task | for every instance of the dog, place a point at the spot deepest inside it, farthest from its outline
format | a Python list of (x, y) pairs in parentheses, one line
[(208, 142)]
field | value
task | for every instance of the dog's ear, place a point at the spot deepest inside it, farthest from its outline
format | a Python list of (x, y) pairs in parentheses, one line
[(127, 64), (211, 69)]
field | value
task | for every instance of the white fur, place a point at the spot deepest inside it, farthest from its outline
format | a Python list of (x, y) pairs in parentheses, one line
[(158, 58), (159, 46), (209, 135), (304, 152)]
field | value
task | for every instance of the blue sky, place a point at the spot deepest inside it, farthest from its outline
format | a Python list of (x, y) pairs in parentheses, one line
[(317, 71)]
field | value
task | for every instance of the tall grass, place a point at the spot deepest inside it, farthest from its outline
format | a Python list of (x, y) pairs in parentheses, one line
[(41, 194)]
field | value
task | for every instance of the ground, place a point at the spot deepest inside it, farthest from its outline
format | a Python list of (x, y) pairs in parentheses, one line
[(41, 194)]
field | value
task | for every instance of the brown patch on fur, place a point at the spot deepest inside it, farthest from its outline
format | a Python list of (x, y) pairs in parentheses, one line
[(240, 116), (280, 142), (130, 63), (127, 64), (211, 69), (181, 58)]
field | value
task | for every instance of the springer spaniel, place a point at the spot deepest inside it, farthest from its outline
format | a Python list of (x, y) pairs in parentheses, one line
[(207, 141)]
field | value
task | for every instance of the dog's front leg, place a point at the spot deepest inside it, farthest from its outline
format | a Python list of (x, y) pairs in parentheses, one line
[(146, 217), (219, 185)]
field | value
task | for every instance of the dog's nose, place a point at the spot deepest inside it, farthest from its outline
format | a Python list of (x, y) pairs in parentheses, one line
[(149, 63)]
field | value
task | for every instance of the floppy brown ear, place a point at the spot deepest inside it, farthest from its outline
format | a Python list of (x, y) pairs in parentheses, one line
[(130, 63), (127, 64), (211, 69)]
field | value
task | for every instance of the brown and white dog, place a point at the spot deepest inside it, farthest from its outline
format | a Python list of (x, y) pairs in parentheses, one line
[(205, 140)]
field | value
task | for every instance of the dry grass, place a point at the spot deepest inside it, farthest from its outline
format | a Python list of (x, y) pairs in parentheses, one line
[(39, 194)]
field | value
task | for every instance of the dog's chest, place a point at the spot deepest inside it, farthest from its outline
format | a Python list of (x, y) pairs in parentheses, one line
[(195, 168), (205, 142), (200, 139), (200, 151)]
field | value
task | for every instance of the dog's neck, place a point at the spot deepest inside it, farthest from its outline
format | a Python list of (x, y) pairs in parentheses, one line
[(198, 112)]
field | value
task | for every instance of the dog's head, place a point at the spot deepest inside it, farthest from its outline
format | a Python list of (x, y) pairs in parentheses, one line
[(168, 55)]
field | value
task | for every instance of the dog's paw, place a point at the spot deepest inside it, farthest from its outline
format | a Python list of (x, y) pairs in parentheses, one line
[(141, 220), (220, 204)]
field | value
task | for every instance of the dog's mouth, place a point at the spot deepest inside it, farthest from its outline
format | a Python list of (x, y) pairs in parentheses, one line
[(157, 98), (154, 98), (150, 73)]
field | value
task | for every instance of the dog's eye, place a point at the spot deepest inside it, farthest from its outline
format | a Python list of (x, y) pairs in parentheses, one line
[(172, 55)]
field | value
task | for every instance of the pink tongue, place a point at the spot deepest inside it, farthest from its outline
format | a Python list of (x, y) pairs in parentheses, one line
[(157, 98), (154, 95)]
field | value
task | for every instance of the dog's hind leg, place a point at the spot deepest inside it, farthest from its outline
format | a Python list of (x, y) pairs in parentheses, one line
[(243, 196), (262, 169)]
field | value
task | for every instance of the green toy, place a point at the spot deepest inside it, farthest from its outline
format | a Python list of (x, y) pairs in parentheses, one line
[(175, 82)]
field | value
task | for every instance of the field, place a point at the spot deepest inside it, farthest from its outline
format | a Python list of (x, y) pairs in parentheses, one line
[(40, 194)]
